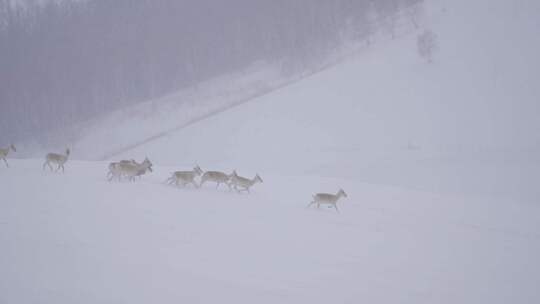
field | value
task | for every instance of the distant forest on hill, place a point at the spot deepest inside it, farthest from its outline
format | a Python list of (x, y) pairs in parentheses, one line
[(67, 61)]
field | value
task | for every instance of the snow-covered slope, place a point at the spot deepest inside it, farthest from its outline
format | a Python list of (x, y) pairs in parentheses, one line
[(468, 123), (440, 163)]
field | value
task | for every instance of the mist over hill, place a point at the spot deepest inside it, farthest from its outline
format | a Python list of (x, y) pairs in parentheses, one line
[(64, 62)]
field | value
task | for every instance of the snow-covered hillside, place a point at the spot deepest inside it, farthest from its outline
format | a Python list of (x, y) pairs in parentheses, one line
[(441, 164), (468, 123)]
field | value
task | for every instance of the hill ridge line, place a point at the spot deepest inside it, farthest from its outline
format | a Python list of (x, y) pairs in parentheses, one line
[(232, 105)]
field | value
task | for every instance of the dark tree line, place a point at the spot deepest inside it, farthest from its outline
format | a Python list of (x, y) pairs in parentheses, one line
[(62, 62)]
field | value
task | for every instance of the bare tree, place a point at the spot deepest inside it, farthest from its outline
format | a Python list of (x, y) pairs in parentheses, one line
[(414, 12), (427, 45)]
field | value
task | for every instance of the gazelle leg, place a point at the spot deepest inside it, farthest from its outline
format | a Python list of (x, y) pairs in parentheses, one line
[(46, 163), (311, 203), (5, 161), (243, 190), (335, 206), (62, 165)]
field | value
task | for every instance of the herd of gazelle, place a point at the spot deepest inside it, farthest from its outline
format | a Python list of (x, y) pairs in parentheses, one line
[(50, 159), (233, 180), (131, 169)]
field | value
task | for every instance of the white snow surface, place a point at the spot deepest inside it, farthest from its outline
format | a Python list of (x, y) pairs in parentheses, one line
[(441, 164), (76, 238)]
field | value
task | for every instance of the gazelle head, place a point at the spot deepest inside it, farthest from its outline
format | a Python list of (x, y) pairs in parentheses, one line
[(147, 164), (234, 173), (13, 148), (258, 178), (342, 193), (68, 151), (198, 170)]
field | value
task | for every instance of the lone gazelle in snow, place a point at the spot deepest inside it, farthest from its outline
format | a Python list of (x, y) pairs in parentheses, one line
[(328, 199), (185, 177), (216, 177), (243, 183), (4, 153), (57, 159)]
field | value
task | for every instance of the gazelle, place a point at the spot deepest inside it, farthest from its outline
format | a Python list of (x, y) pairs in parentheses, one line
[(140, 169), (185, 177), (114, 168), (243, 183), (4, 153), (216, 177), (328, 199), (129, 169), (57, 159)]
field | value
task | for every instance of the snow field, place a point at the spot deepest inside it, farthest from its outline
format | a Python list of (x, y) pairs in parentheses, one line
[(75, 237)]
